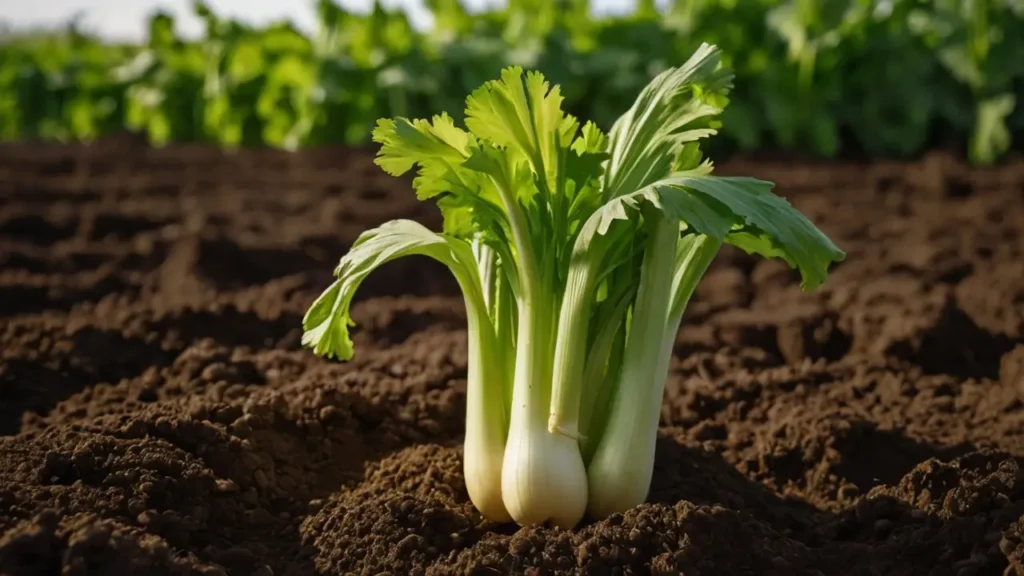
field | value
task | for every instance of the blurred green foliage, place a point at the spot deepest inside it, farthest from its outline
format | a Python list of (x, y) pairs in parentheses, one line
[(878, 77)]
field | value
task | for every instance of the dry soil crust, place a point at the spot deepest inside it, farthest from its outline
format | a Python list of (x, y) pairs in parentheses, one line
[(160, 417)]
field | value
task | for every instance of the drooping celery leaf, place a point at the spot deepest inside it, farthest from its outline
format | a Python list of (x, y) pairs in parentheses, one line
[(736, 210), (326, 323), (768, 224)]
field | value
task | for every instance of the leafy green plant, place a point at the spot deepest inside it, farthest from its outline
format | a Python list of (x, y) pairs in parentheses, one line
[(827, 77), (576, 253)]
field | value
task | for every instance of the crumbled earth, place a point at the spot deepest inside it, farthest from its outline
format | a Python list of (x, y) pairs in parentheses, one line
[(158, 414)]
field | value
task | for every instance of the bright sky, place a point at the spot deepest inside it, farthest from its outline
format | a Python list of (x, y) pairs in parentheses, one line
[(126, 19)]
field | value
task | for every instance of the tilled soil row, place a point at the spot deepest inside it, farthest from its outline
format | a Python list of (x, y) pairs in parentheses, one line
[(159, 415)]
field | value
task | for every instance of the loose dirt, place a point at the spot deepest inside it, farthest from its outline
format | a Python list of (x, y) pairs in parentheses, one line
[(159, 416)]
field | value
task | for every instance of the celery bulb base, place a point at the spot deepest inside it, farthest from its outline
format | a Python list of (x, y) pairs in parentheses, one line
[(543, 477)]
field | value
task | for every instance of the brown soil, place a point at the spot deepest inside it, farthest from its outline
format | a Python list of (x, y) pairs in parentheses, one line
[(160, 417)]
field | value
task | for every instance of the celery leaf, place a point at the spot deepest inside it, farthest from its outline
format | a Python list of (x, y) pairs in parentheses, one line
[(327, 322), (676, 108)]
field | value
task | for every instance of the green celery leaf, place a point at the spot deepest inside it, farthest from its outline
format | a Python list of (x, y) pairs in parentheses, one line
[(326, 323), (406, 143), (675, 108), (754, 241), (703, 215), (530, 148), (591, 140), (737, 210), (767, 224), (442, 150), (524, 117), (583, 168), (508, 169)]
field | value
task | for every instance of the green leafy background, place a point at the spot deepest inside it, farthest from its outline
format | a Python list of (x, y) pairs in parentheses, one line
[(818, 77)]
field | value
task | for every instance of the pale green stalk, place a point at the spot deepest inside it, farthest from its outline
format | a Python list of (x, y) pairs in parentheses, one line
[(486, 417), (602, 369), (543, 478), (620, 472), (571, 346)]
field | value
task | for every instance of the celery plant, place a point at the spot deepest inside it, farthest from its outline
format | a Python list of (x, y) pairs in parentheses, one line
[(576, 253)]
